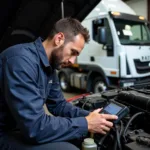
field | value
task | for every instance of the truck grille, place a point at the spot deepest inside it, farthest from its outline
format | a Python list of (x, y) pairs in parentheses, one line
[(142, 67)]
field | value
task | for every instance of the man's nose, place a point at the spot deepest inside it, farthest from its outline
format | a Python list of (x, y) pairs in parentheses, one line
[(72, 60)]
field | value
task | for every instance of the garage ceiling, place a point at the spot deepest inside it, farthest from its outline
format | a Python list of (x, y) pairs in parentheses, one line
[(18, 13), (29, 15)]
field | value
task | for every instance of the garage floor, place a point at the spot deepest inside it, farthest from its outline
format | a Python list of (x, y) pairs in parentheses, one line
[(69, 95)]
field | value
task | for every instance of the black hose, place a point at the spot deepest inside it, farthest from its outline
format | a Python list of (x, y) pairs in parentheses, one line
[(118, 144), (129, 122), (121, 129), (100, 143), (144, 92)]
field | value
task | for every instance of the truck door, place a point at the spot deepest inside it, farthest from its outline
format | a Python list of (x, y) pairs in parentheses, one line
[(105, 52), (108, 46)]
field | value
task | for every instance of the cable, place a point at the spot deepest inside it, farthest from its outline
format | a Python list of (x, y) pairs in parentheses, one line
[(131, 119), (120, 134), (87, 100), (115, 145), (100, 143), (118, 138), (121, 130)]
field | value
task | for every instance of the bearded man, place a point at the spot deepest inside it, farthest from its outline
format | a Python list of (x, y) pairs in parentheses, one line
[(28, 80)]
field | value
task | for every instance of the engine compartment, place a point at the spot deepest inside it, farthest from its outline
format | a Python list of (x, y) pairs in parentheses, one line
[(132, 132)]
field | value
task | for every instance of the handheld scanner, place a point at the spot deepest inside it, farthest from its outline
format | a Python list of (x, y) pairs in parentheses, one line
[(117, 109)]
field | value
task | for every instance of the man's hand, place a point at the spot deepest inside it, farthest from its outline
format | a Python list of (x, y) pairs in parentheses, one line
[(98, 123)]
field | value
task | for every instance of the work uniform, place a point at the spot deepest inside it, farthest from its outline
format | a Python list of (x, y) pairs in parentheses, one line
[(27, 81)]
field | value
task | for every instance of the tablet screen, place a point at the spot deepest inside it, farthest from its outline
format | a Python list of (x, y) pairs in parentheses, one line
[(112, 108)]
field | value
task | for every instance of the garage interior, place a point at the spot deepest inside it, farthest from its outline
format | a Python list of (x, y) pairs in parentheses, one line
[(16, 20), (23, 21)]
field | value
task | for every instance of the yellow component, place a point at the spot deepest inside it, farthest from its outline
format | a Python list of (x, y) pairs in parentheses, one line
[(141, 18), (113, 72), (75, 65), (91, 135), (115, 13)]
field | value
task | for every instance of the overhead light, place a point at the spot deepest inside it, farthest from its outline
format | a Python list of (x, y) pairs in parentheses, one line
[(141, 18), (115, 13)]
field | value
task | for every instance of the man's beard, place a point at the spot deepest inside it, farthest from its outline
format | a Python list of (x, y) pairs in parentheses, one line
[(57, 57)]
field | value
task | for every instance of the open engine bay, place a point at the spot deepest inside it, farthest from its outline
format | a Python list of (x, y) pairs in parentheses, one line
[(132, 131)]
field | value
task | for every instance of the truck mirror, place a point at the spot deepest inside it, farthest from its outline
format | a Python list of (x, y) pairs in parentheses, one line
[(149, 25), (102, 35)]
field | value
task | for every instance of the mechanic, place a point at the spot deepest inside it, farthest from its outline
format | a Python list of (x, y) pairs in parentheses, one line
[(28, 80)]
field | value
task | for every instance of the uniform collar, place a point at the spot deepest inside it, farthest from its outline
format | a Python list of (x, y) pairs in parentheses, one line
[(42, 53)]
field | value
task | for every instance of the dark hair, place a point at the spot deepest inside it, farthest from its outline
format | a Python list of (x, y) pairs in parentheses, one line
[(70, 27)]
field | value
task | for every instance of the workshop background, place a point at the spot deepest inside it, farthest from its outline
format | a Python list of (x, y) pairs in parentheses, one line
[(15, 18), (141, 7), (112, 72)]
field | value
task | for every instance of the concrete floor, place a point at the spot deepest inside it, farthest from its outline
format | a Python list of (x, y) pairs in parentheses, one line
[(69, 95)]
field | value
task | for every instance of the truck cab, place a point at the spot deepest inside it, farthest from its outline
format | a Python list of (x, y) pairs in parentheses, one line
[(118, 54)]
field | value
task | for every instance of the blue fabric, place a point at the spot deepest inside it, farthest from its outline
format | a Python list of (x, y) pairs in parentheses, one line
[(27, 81), (15, 141)]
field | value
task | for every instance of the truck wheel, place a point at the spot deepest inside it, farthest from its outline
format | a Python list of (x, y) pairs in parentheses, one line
[(99, 85), (64, 82)]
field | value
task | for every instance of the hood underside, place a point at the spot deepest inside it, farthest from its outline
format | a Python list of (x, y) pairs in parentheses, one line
[(24, 20)]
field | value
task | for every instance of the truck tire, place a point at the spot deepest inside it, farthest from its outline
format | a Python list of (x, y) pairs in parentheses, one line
[(99, 85), (64, 81)]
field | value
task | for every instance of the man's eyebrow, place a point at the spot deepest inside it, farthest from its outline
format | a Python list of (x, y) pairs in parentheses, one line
[(75, 51)]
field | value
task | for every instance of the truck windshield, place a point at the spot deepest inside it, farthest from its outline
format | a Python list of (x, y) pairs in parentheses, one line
[(132, 32)]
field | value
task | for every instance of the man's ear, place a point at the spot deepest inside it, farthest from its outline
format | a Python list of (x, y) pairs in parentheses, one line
[(59, 39)]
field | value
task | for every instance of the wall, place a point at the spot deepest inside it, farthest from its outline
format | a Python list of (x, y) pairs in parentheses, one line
[(139, 6)]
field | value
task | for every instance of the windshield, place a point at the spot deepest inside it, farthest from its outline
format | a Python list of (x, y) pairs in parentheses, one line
[(132, 32)]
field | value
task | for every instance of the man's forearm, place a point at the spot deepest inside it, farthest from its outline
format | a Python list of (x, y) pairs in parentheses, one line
[(66, 109)]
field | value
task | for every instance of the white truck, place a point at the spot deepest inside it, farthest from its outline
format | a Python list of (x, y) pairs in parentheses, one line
[(118, 54)]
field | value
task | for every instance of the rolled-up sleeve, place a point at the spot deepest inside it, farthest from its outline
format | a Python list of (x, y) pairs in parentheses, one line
[(26, 105)]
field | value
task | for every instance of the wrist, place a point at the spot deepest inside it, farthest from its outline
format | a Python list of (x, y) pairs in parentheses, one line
[(88, 122)]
